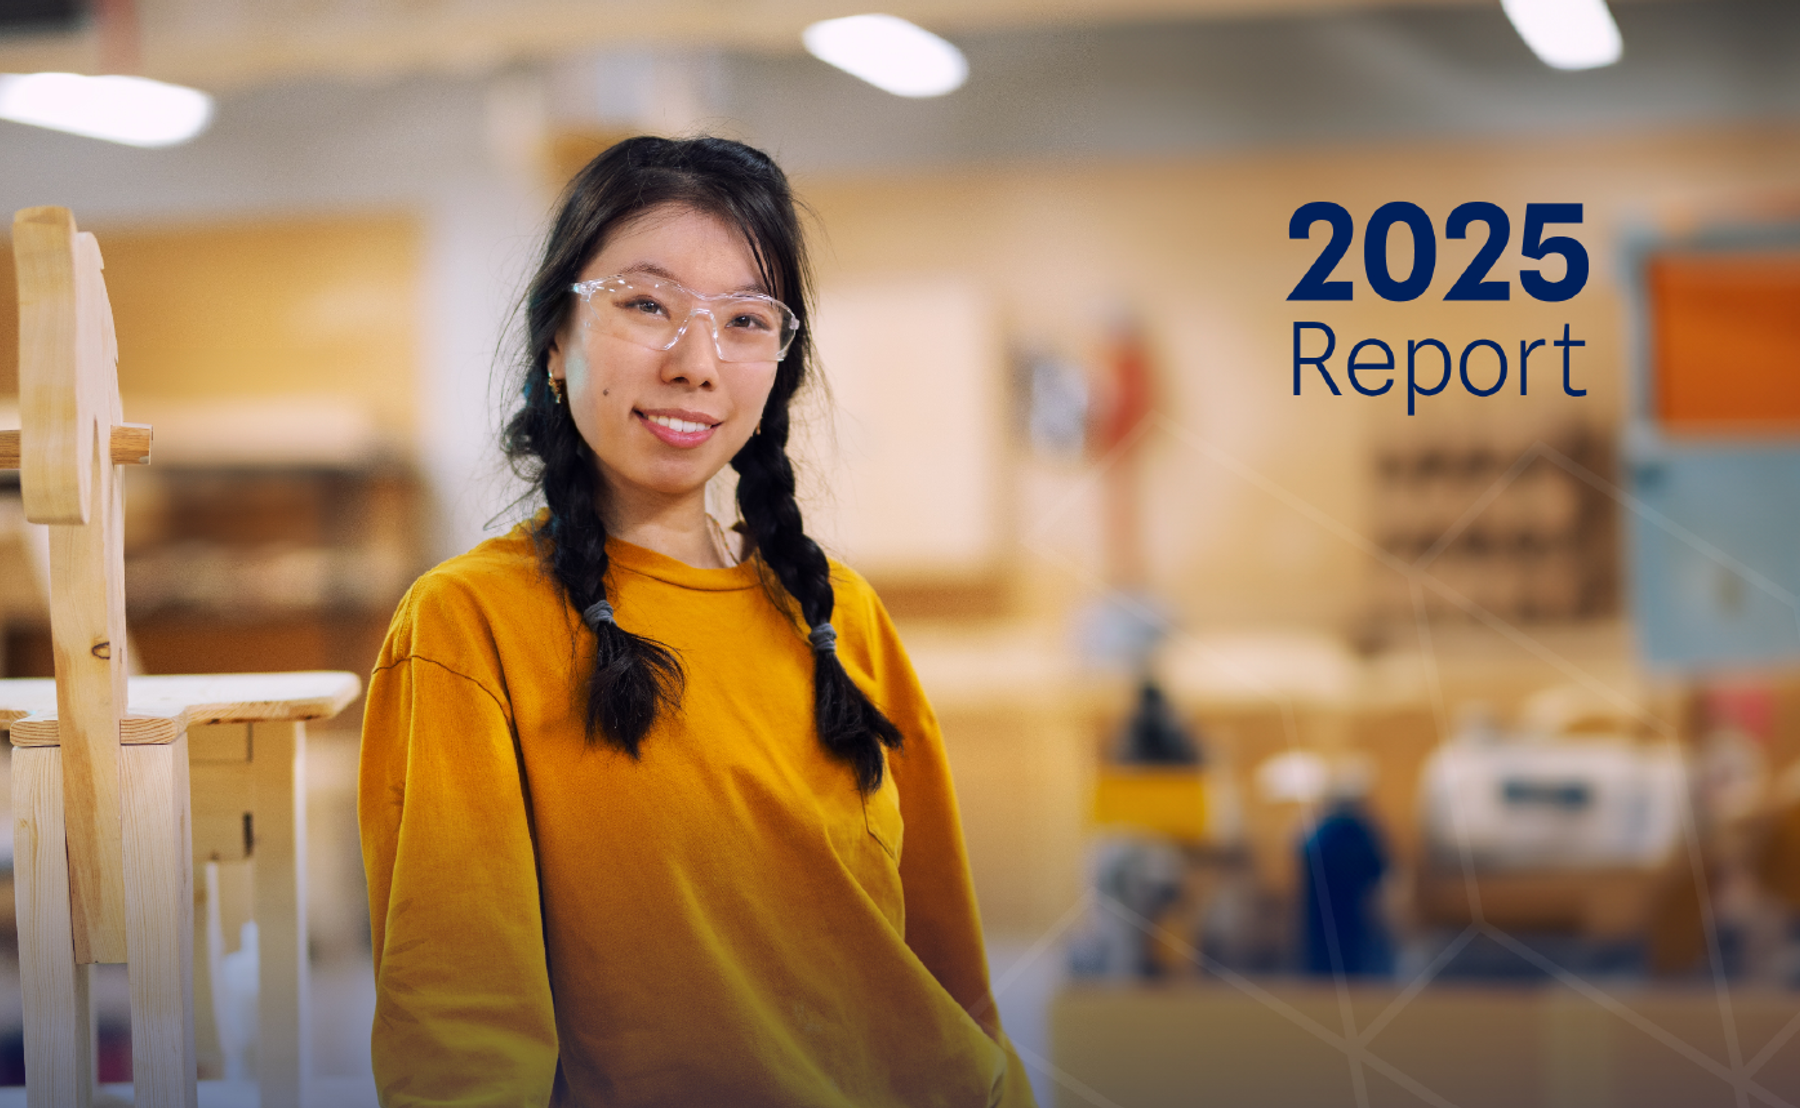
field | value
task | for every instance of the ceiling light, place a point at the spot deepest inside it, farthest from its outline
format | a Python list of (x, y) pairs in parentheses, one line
[(1567, 34), (889, 53), (133, 110)]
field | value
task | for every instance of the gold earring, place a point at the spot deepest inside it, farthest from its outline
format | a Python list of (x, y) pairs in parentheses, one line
[(556, 386)]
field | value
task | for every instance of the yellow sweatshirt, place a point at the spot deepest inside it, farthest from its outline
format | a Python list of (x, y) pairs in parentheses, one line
[(724, 922)]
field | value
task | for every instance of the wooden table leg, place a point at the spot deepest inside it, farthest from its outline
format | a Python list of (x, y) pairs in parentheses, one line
[(284, 1030), (221, 1024), (59, 1026), (209, 1058), (222, 789), (159, 922)]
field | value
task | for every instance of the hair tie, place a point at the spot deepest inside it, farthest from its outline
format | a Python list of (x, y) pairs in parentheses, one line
[(600, 611), (823, 639)]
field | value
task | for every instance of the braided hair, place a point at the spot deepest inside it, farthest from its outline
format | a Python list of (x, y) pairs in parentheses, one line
[(636, 679)]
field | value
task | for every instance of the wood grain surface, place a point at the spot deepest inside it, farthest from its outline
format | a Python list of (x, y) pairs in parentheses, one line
[(154, 704), (130, 446)]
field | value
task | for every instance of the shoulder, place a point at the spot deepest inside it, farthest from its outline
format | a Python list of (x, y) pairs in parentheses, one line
[(868, 642), (459, 607), (869, 646), (856, 609), (851, 587)]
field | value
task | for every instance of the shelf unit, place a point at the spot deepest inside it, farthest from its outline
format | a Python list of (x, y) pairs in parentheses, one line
[(247, 568), (1522, 526)]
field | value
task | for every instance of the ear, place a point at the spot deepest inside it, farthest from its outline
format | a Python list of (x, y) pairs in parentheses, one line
[(555, 359)]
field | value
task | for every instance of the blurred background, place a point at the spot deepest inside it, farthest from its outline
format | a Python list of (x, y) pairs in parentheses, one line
[(1310, 753)]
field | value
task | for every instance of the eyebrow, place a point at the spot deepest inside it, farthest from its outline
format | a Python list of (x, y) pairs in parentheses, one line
[(655, 270)]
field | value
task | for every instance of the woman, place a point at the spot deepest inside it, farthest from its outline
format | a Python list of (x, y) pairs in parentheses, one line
[(652, 812)]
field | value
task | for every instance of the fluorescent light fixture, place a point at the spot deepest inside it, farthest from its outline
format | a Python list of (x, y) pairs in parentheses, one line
[(889, 53), (133, 110), (1567, 34)]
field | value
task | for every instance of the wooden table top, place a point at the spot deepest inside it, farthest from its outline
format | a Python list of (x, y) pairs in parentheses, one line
[(161, 706)]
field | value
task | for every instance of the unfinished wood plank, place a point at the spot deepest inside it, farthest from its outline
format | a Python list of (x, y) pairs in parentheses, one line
[(68, 391), (249, 697), (209, 948), (58, 412), (218, 742), (133, 730), (204, 699), (284, 1026), (59, 1042), (130, 446), (224, 800), (159, 912), (236, 888), (87, 628)]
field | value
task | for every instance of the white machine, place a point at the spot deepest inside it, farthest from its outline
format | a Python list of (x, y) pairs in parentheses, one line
[(1534, 801)]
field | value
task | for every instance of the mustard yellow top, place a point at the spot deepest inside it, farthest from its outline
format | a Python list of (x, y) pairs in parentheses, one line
[(723, 922)]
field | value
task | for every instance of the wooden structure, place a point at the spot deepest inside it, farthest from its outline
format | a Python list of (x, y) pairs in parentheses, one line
[(1282, 1043), (107, 829)]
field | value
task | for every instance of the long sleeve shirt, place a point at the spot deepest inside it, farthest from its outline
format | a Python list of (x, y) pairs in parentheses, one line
[(724, 921)]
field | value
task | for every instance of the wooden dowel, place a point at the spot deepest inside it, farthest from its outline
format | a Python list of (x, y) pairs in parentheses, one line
[(130, 446)]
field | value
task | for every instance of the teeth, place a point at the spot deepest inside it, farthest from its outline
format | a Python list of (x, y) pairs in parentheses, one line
[(681, 425)]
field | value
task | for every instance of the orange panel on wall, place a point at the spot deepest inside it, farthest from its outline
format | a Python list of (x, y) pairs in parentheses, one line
[(1726, 335)]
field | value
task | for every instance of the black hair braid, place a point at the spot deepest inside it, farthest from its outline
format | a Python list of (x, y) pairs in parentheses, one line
[(634, 678), (852, 728)]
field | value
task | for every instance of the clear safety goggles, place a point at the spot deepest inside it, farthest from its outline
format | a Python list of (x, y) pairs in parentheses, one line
[(655, 312)]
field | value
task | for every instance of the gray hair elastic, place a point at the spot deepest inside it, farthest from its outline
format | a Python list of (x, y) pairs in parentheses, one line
[(823, 639), (600, 611)]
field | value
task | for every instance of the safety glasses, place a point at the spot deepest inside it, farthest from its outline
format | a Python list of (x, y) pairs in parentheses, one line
[(655, 312)]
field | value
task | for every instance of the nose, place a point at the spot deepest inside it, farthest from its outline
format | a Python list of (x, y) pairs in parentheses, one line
[(693, 352)]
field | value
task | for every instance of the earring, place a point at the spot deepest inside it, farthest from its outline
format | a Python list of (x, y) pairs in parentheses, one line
[(556, 386)]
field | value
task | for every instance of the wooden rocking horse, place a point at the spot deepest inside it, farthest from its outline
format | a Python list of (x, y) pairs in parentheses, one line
[(109, 817)]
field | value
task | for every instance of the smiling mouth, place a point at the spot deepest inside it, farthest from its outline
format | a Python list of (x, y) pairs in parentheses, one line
[(679, 426)]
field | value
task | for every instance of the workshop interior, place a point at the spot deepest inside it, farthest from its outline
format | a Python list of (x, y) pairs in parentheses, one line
[(1319, 738)]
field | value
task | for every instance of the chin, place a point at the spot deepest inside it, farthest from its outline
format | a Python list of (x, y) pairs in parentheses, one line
[(673, 481)]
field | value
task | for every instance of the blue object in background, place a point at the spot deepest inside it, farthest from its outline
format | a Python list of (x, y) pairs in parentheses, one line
[(1341, 864)]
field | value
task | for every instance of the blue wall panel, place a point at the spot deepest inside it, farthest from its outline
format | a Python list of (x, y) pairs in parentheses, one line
[(1714, 543)]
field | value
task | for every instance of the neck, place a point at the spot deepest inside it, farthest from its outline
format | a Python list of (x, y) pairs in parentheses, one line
[(677, 527)]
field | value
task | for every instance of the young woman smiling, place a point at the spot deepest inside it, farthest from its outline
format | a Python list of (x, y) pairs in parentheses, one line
[(653, 812)]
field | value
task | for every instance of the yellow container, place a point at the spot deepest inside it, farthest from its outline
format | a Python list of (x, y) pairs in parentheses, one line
[(1166, 800)]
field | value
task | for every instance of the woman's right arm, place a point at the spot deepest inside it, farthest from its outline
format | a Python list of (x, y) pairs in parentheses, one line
[(463, 1012)]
